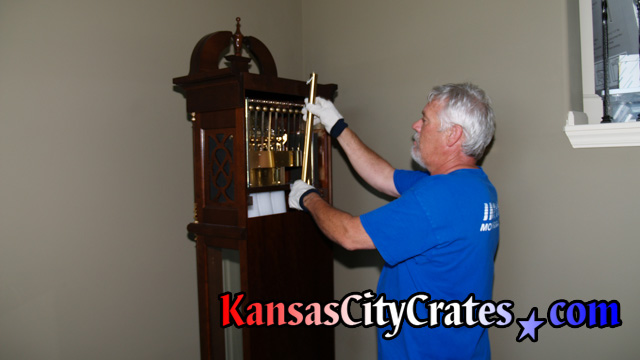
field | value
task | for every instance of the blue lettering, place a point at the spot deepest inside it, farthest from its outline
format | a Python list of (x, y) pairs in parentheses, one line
[(553, 315), (572, 313), (604, 314), (595, 313)]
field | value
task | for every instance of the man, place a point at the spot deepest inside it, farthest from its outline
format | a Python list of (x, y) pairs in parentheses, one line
[(441, 233)]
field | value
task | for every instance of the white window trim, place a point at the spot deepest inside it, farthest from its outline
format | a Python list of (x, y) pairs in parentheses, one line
[(583, 128)]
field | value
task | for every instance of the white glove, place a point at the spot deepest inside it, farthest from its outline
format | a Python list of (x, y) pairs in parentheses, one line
[(299, 189), (323, 109)]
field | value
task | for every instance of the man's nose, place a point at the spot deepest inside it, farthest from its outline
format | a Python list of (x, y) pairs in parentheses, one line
[(417, 125)]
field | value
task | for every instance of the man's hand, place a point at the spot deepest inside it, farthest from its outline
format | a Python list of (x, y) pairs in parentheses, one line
[(299, 190), (324, 110)]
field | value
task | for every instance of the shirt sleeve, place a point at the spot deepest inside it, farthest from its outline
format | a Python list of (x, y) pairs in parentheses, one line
[(405, 179), (401, 229)]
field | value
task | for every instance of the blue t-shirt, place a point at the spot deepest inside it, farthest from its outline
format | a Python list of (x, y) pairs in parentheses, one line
[(439, 237)]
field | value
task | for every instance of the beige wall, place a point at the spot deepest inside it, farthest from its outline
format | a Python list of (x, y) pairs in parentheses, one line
[(96, 186), (96, 182), (569, 217)]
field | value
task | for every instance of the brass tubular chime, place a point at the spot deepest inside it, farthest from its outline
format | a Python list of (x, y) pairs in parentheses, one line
[(274, 140), (306, 154)]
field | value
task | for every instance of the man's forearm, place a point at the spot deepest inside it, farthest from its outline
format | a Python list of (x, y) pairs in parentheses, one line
[(339, 226), (375, 170)]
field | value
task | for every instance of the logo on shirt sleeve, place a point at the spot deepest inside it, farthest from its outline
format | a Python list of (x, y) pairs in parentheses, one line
[(491, 217)]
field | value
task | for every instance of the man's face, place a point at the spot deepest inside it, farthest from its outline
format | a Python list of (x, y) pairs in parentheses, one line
[(428, 139)]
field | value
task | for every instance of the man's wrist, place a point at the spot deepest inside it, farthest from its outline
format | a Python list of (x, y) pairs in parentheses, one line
[(304, 195), (338, 128)]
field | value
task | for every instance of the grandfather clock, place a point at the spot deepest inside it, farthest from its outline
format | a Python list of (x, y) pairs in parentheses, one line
[(248, 137)]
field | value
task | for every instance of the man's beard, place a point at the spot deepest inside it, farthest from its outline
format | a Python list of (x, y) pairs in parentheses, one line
[(415, 151)]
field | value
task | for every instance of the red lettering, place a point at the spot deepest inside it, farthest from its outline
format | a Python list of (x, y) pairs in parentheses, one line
[(329, 309), (271, 308), (315, 316), (232, 311), (293, 311), (255, 317)]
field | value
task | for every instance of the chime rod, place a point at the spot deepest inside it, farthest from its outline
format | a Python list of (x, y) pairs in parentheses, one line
[(306, 158), (264, 109)]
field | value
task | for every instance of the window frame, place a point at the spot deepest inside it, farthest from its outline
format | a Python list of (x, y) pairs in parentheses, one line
[(583, 128)]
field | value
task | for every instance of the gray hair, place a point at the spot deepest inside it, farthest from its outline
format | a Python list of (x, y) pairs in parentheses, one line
[(468, 106)]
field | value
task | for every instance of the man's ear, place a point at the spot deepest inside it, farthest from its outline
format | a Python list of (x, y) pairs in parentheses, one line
[(455, 134)]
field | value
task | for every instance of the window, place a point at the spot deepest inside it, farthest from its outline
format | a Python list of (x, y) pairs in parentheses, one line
[(583, 128)]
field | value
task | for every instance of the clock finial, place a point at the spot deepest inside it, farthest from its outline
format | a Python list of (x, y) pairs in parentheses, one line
[(237, 39)]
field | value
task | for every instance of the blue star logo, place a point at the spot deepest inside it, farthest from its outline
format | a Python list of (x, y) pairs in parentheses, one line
[(529, 326)]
